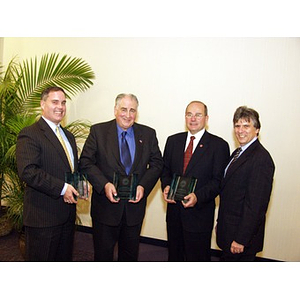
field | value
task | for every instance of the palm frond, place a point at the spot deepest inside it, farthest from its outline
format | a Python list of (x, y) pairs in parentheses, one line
[(14, 126), (72, 74), (13, 191), (21, 86), (80, 130), (10, 103)]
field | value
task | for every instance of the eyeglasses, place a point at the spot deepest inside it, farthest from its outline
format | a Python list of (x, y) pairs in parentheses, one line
[(197, 116)]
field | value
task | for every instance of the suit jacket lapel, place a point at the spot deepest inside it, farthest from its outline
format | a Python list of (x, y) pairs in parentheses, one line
[(200, 149), (50, 135), (139, 144), (241, 160), (112, 144), (181, 147)]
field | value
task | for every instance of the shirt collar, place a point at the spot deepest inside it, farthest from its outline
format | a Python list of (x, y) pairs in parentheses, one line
[(130, 131), (249, 144), (197, 135), (51, 124)]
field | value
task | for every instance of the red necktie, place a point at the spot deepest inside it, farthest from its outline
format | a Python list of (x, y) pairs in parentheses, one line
[(188, 154)]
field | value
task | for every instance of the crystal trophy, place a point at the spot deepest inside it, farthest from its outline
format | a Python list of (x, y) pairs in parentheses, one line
[(125, 186), (79, 182), (181, 187)]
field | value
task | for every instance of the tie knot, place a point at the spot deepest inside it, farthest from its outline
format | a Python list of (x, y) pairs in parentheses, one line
[(124, 134), (239, 149), (192, 138)]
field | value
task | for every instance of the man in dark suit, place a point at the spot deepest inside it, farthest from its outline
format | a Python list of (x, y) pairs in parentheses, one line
[(49, 204), (245, 192), (190, 222), (114, 219)]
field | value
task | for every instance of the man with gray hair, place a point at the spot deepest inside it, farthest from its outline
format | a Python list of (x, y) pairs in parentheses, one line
[(245, 191), (120, 149)]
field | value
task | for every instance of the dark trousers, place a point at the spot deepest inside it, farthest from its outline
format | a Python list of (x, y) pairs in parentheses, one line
[(106, 237), (50, 243), (187, 246)]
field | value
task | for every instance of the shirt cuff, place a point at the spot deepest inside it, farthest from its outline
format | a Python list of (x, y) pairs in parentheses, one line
[(64, 189)]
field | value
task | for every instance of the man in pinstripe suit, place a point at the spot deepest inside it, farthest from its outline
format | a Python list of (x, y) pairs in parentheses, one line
[(245, 191), (49, 203)]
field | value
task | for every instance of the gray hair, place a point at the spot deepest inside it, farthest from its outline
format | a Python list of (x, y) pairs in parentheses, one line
[(121, 96)]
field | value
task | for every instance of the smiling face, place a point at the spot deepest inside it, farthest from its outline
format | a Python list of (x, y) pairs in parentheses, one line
[(195, 117), (126, 112), (54, 107), (245, 131)]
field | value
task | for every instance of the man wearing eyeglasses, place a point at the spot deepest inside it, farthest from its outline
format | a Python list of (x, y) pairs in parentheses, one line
[(203, 156)]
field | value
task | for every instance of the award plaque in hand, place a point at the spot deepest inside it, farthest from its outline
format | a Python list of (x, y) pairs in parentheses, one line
[(125, 186), (181, 187), (79, 182)]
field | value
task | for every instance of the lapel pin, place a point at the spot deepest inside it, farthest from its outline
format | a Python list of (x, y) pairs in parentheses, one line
[(201, 145), (141, 141)]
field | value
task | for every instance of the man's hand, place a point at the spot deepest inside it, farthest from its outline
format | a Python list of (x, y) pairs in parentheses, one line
[(165, 194), (190, 200), (69, 195), (111, 193), (236, 248), (139, 194)]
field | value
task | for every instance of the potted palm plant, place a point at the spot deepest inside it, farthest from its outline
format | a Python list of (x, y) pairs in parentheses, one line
[(20, 88)]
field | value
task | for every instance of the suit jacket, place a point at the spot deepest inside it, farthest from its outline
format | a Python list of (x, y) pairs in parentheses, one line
[(100, 158), (42, 164), (244, 198), (207, 165)]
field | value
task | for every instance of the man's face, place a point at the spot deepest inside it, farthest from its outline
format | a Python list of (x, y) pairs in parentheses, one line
[(54, 108), (195, 118), (245, 131), (126, 112)]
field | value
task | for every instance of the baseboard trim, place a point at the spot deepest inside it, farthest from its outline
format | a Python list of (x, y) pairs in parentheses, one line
[(163, 243), (153, 241)]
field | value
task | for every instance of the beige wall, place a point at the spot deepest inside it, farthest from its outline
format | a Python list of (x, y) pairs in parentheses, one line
[(1, 50), (167, 73)]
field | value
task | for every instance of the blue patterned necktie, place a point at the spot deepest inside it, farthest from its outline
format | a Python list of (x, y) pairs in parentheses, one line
[(125, 153), (236, 156)]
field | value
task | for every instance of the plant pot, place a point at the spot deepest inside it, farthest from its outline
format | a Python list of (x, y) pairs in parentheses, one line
[(6, 226)]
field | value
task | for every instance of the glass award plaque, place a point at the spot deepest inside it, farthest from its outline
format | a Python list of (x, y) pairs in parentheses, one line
[(79, 182), (181, 187), (125, 186)]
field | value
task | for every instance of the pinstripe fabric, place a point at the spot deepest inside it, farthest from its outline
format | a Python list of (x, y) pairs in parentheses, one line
[(244, 198), (42, 163)]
